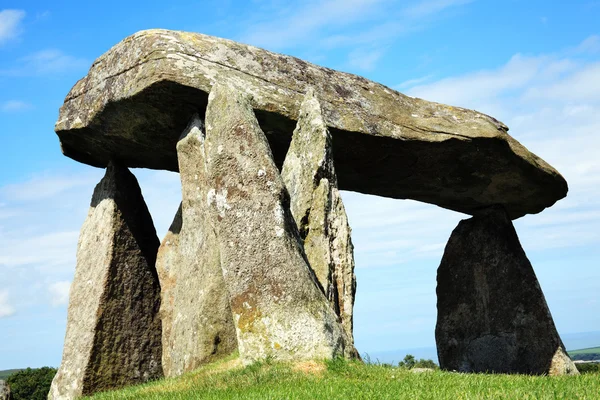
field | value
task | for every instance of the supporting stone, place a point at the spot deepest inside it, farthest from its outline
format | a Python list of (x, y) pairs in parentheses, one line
[(316, 205), (4, 391), (196, 317), (113, 328), (278, 309), (492, 315)]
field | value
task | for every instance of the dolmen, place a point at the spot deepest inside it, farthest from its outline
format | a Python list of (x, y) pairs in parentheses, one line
[(258, 262)]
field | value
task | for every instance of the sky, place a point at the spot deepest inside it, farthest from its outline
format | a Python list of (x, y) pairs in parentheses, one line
[(535, 65)]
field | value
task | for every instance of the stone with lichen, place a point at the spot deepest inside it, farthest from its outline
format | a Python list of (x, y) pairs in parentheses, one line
[(4, 391), (137, 98), (316, 205), (492, 314), (278, 309), (113, 334), (196, 317)]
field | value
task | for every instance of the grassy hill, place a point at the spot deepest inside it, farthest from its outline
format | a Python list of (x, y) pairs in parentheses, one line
[(585, 351), (351, 380), (591, 353), (7, 372)]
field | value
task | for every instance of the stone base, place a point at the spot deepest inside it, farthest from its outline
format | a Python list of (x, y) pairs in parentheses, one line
[(113, 330), (197, 321), (278, 309), (492, 315)]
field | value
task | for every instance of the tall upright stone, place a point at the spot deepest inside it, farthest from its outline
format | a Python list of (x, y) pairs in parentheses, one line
[(492, 315), (316, 205), (113, 334), (4, 391), (277, 306), (196, 317)]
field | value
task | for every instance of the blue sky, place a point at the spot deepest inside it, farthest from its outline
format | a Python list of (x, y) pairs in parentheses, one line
[(535, 65)]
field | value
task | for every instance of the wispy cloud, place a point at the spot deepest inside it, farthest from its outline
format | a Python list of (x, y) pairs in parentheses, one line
[(366, 26), (59, 293), (40, 222), (46, 62), (550, 102), (10, 24), (6, 309), (364, 59), (45, 186), (591, 45), (12, 106), (430, 7), (413, 82), (581, 86), (56, 249), (299, 22)]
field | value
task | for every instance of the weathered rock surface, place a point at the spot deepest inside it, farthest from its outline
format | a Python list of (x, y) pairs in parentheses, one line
[(137, 98), (492, 314), (4, 391), (316, 205), (113, 328), (277, 307), (196, 317)]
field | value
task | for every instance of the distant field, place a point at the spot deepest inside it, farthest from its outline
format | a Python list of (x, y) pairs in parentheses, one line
[(589, 354), (585, 351), (352, 380), (6, 373)]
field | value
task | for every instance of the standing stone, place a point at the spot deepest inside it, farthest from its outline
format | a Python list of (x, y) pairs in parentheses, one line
[(196, 317), (113, 328), (4, 391), (492, 315), (316, 204), (278, 309)]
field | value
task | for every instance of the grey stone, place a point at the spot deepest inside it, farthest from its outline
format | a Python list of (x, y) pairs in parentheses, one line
[(492, 314), (278, 309), (113, 328), (137, 98), (196, 317), (316, 205), (4, 391)]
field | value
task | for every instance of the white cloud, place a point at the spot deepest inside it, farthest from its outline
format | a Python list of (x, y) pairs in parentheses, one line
[(430, 7), (591, 45), (53, 61), (49, 250), (296, 23), (356, 24), (413, 82), (473, 89), (364, 59), (40, 222), (6, 310), (578, 87), (12, 106), (10, 24), (46, 62), (59, 292), (550, 102), (45, 186), (388, 232)]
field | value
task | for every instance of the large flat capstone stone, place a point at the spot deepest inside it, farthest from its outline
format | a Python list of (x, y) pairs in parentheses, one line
[(136, 99)]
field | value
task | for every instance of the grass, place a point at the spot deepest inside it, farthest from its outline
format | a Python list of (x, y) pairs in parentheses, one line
[(585, 351), (340, 379)]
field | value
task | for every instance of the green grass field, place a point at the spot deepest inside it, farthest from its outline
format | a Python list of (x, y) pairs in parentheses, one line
[(352, 380), (585, 351)]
